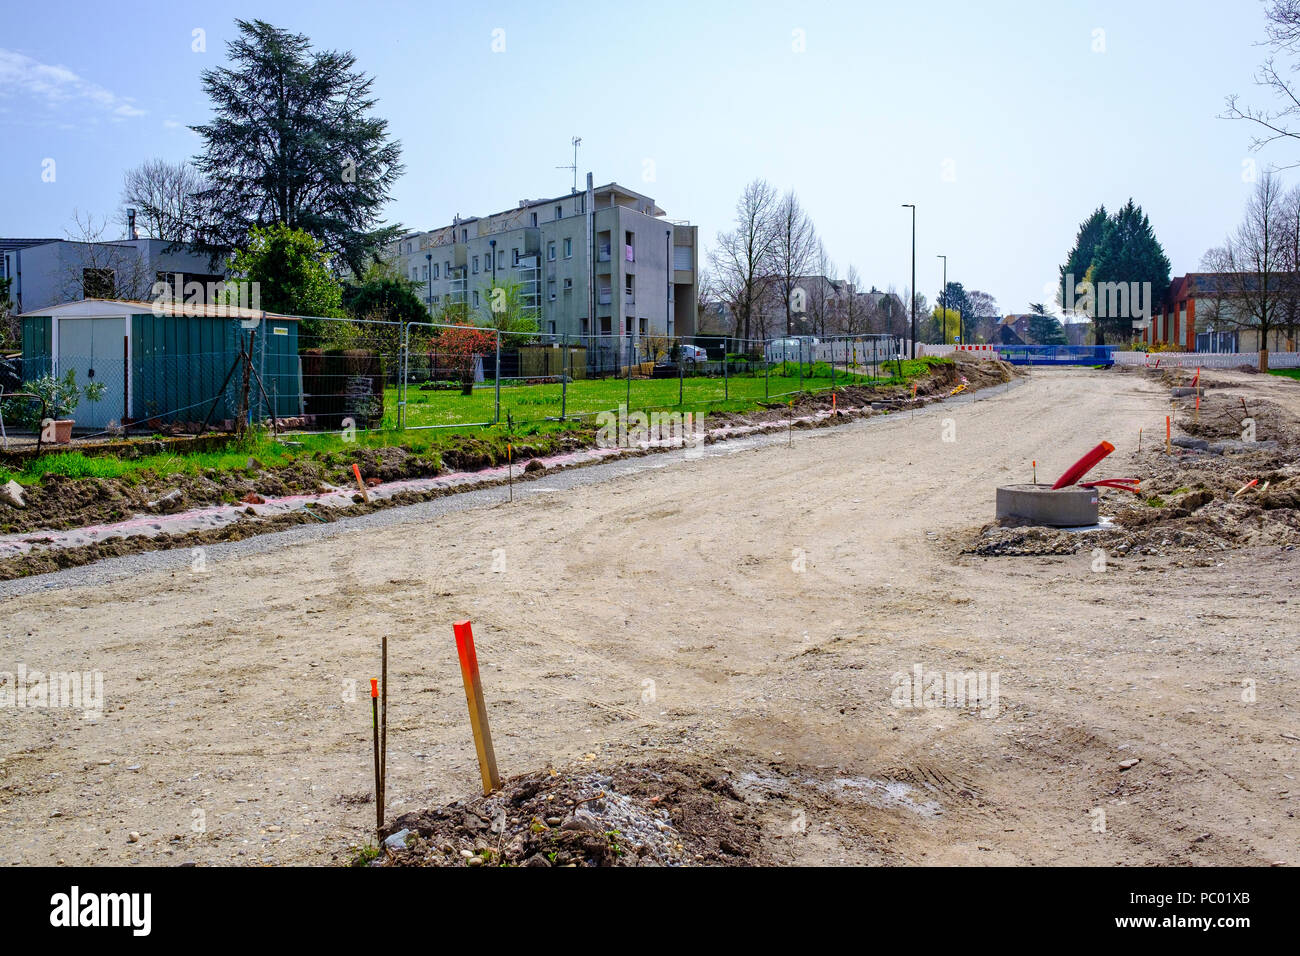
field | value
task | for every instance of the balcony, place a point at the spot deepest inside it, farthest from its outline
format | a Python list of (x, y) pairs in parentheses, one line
[(603, 254), (604, 297)]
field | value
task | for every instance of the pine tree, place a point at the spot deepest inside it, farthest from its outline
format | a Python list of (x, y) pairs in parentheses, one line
[(1081, 256), (293, 141), (1128, 253)]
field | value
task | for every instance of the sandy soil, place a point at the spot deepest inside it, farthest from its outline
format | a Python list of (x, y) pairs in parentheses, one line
[(744, 612)]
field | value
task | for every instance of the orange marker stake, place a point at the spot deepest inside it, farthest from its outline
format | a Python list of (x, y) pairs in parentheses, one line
[(487, 761), (379, 796), (1196, 416), (1246, 487), (1168, 433), (361, 484), (510, 470)]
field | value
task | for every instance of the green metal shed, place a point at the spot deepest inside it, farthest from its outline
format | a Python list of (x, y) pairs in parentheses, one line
[(165, 362)]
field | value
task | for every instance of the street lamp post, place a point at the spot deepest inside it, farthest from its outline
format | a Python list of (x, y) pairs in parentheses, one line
[(912, 206), (428, 281), (943, 301)]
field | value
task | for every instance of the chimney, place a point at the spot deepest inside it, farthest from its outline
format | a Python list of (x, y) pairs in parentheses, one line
[(132, 231)]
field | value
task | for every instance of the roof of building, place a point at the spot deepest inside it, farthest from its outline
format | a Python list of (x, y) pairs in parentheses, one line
[(8, 245), (101, 308)]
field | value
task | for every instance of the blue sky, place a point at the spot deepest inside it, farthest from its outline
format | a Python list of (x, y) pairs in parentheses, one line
[(1000, 120)]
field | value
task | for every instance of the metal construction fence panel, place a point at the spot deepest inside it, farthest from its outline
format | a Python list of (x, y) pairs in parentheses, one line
[(330, 374)]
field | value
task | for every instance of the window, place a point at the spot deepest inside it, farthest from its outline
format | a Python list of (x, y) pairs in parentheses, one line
[(448, 265), (435, 270), (476, 298), (425, 270), (568, 285), (516, 252), (552, 325), (628, 325), (437, 299), (629, 284), (464, 235), (559, 212), (550, 290), (568, 248), (550, 252), (629, 252), (645, 326), (533, 219)]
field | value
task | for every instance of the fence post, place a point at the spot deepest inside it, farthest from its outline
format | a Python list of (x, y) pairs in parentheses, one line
[(681, 378), (403, 369), (565, 362), (726, 372), (629, 372), (767, 374), (496, 418), (800, 364), (832, 365)]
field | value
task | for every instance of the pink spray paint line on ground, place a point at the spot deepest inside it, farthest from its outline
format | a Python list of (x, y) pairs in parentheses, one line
[(218, 516)]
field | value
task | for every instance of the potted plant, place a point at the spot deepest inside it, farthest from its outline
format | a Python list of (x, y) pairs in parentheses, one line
[(59, 398)]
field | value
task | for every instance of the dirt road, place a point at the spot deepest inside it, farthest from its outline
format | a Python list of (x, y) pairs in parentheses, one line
[(748, 611)]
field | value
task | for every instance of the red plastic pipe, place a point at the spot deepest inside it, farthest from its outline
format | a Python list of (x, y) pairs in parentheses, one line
[(1083, 465)]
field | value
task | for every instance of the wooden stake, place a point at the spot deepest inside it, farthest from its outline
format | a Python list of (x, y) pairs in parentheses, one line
[(1139, 440), (1196, 416), (1035, 463), (478, 719), (365, 495), (379, 789)]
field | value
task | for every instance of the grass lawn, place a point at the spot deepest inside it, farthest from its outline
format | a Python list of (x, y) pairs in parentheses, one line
[(1286, 372), (529, 406), (534, 403)]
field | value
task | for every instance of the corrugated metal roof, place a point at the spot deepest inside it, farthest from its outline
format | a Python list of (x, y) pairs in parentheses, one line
[(132, 307)]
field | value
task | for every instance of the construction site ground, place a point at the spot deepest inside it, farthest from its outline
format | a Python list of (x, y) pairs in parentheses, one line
[(710, 644)]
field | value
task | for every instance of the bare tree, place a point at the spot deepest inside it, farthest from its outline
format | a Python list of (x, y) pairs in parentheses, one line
[(1212, 303), (820, 292), (743, 258), (1254, 262), (795, 252), (1289, 317), (856, 307), (92, 267), (1283, 37), (163, 196)]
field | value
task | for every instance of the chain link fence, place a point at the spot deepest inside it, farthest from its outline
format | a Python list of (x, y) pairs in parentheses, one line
[(309, 373)]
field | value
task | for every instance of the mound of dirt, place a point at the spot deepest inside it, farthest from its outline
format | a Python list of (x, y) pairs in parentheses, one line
[(656, 815)]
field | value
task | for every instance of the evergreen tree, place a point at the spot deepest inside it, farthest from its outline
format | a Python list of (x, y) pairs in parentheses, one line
[(1081, 256), (293, 141), (1127, 253)]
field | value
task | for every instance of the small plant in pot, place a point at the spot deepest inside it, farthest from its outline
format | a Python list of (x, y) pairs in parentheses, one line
[(59, 398)]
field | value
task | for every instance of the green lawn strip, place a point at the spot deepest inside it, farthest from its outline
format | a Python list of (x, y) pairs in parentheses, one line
[(1286, 372), (533, 403), (529, 406)]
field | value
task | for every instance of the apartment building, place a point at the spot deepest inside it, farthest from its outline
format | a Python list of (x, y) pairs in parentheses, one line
[(603, 261)]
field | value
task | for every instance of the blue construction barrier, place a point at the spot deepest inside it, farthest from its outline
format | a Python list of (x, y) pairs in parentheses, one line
[(1058, 354)]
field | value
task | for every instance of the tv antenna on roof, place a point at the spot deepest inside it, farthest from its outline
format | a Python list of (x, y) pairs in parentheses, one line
[(577, 141)]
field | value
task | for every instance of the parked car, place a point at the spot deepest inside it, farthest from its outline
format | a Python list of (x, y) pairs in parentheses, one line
[(693, 353)]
